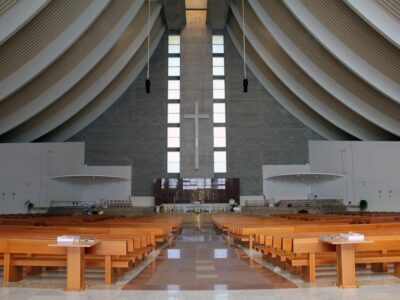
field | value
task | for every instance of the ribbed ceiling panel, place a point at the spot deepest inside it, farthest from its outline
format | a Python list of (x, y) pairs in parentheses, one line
[(63, 63), (302, 85), (30, 40), (5, 5), (109, 95), (67, 71), (287, 44), (391, 6), (91, 85)]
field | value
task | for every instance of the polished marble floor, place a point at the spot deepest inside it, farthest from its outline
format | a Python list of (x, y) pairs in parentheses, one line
[(201, 266), (200, 260)]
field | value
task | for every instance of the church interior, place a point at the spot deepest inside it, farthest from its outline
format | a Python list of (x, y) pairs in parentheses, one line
[(199, 149)]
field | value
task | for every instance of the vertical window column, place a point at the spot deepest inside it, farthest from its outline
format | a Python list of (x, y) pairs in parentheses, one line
[(219, 104), (173, 104)]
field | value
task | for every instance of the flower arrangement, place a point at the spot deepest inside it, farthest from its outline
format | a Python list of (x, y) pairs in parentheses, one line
[(29, 205)]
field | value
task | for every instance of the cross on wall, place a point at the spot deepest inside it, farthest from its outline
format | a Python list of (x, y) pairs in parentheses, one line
[(196, 116)]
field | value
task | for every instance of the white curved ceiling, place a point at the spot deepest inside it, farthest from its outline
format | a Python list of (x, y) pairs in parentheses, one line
[(75, 59), (63, 63), (320, 63)]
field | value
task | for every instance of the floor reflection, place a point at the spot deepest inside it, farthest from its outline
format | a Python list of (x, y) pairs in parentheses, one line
[(200, 260)]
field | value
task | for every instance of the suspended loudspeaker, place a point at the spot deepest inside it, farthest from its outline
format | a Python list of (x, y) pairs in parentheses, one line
[(148, 86), (245, 85)]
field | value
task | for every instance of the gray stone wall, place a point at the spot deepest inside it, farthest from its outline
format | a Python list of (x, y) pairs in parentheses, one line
[(259, 130), (196, 86), (133, 130)]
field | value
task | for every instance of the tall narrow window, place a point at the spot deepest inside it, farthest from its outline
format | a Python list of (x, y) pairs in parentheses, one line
[(174, 113), (174, 44), (174, 89), (219, 113), (217, 44), (219, 161), (218, 66), (219, 105), (173, 104), (173, 158), (173, 137), (174, 66), (219, 137), (219, 88)]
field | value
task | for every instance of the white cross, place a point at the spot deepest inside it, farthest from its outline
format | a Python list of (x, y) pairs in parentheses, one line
[(196, 118)]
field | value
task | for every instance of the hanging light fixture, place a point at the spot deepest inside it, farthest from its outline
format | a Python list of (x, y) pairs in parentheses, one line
[(245, 81), (147, 83)]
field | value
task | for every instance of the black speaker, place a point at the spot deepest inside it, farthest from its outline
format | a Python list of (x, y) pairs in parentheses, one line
[(245, 85), (148, 86)]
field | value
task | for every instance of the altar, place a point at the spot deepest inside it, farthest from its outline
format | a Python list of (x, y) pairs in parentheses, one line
[(196, 207), (206, 194)]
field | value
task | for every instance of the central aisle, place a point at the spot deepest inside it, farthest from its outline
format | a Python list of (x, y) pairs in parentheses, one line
[(200, 260)]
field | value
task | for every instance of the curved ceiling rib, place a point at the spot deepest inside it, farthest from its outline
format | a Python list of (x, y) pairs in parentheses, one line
[(347, 56), (284, 96), (108, 96), (5, 5), (16, 16), (357, 35), (91, 85), (67, 71), (391, 6), (321, 66), (334, 65), (35, 47), (301, 85), (378, 18)]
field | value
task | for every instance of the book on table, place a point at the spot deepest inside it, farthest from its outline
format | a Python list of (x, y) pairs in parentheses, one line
[(87, 240), (352, 236), (67, 238), (74, 239)]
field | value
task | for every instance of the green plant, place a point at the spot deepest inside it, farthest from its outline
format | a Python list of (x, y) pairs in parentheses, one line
[(29, 205), (363, 205)]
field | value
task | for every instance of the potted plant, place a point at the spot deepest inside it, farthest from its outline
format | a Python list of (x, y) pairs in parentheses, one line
[(29, 205), (232, 203), (363, 205)]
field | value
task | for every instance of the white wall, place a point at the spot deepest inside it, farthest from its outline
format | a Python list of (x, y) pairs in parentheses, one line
[(26, 169), (27, 172), (284, 190), (95, 190), (61, 159), (142, 200), (332, 157), (372, 170), (256, 199)]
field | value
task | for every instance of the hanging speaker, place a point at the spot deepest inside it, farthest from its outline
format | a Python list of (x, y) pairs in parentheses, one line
[(245, 85), (147, 86)]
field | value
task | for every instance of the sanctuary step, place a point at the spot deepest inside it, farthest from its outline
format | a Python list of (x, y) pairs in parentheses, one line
[(128, 211)]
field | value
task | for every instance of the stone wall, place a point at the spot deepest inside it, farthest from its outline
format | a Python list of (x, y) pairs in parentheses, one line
[(133, 130), (259, 130)]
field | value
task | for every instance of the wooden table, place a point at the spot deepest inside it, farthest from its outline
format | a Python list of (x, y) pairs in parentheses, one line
[(346, 265), (76, 263)]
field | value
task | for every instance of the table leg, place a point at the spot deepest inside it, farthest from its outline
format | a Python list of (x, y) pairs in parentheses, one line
[(11, 273), (75, 269), (346, 268), (251, 245)]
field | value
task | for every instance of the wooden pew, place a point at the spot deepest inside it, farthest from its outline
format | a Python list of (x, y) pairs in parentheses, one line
[(20, 253), (312, 252), (138, 235)]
